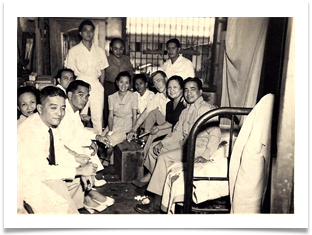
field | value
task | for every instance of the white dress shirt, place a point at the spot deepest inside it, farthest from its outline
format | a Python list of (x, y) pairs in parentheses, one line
[(33, 142), (73, 133), (144, 100), (182, 67)]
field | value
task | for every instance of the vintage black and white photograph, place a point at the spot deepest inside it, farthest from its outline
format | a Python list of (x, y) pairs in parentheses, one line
[(150, 116)]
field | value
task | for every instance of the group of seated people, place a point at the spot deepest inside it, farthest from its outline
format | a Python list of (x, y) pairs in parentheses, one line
[(171, 111), (58, 157)]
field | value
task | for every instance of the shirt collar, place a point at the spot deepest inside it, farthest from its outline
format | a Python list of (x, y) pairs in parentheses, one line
[(69, 108)]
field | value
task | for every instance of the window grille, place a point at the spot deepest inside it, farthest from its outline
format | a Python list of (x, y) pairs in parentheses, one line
[(147, 37)]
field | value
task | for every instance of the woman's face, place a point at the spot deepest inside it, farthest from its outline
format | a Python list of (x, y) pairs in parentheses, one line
[(174, 89), (140, 86), (117, 49), (123, 83), (27, 103)]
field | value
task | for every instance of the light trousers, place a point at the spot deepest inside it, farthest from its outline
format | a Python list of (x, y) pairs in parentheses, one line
[(164, 161), (95, 103), (70, 190)]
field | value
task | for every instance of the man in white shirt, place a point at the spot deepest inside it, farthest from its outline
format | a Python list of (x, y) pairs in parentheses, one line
[(177, 64), (157, 107), (74, 135), (88, 62), (43, 159), (64, 77)]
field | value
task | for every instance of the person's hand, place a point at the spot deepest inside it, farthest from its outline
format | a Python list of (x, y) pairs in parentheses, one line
[(88, 169), (104, 140), (154, 130), (131, 135), (94, 147), (85, 117), (157, 148), (82, 159), (200, 160), (88, 182)]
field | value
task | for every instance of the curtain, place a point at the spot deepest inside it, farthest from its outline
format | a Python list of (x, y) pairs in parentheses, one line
[(244, 48)]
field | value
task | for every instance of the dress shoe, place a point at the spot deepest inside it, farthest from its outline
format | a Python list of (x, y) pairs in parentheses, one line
[(109, 201), (147, 208), (101, 207), (139, 183), (99, 183)]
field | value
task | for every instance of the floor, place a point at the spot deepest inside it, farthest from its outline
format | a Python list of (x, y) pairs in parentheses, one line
[(123, 193)]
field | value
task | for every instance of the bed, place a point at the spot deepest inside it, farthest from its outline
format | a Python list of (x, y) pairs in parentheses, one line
[(241, 171)]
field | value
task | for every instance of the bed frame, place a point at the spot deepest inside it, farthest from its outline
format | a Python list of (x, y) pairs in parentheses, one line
[(224, 112)]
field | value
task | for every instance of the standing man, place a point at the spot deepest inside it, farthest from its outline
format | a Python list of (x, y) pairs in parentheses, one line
[(170, 150), (88, 62), (177, 64)]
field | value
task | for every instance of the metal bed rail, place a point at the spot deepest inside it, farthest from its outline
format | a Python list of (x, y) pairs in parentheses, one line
[(190, 149)]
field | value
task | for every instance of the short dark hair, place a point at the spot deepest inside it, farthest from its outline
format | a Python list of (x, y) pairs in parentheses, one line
[(194, 79), (85, 22), (176, 78), (59, 73), (175, 41), (26, 89), (139, 76), (73, 86), (113, 41), (50, 91), (123, 74)]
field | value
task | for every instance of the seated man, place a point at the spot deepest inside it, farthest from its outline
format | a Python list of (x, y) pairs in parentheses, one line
[(74, 135), (64, 77), (43, 160), (156, 110), (170, 149)]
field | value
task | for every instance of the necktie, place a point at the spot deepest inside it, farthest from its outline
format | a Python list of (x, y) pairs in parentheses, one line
[(51, 158)]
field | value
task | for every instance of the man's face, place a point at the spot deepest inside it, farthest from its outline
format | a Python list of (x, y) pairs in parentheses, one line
[(191, 92), (87, 33), (52, 110), (140, 86), (79, 98), (117, 49), (173, 51), (159, 83), (66, 78)]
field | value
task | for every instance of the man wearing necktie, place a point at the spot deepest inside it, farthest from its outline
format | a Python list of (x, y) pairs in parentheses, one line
[(170, 149), (48, 177)]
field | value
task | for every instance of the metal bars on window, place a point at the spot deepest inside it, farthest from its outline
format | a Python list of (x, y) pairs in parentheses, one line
[(147, 37)]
